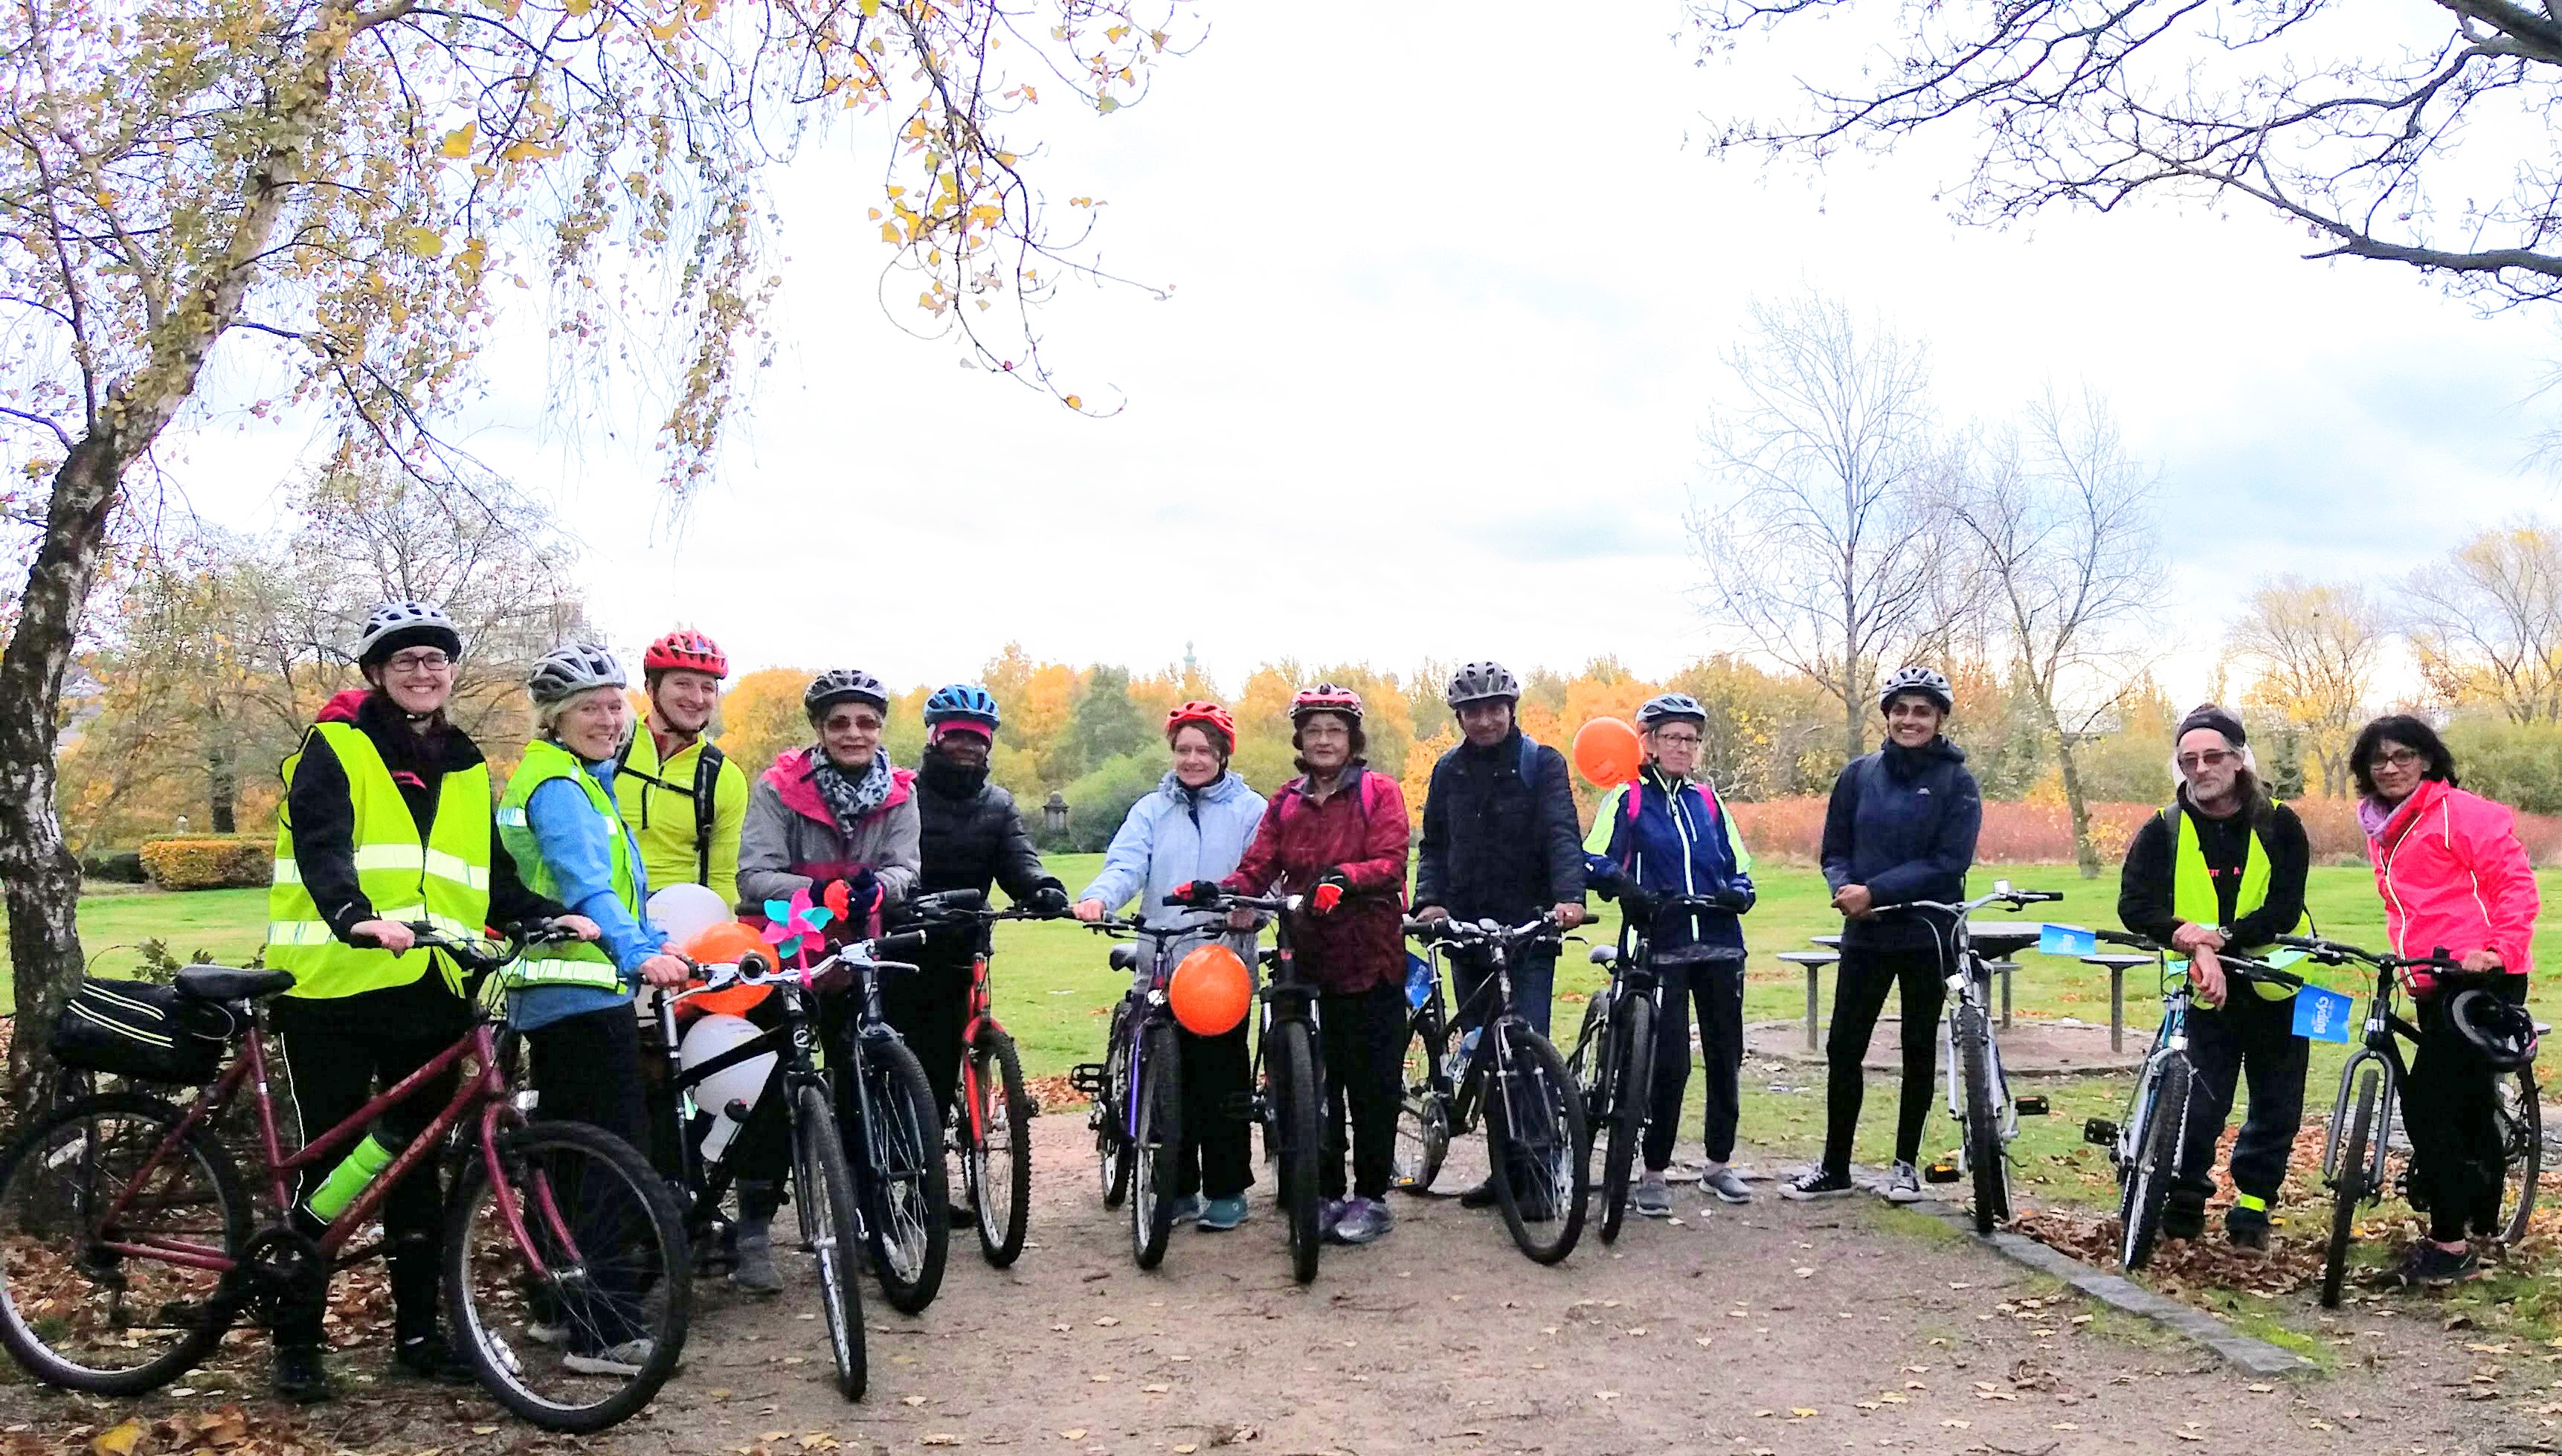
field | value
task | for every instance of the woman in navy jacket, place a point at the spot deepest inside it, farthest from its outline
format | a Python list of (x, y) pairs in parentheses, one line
[(1901, 827)]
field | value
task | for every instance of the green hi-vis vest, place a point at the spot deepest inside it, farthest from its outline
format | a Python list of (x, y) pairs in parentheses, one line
[(2192, 896), (575, 962), (443, 879)]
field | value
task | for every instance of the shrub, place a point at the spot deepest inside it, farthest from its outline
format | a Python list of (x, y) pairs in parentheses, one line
[(1101, 799), (208, 864), (118, 866)]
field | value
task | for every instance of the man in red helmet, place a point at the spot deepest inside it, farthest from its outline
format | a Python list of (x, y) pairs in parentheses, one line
[(685, 801)]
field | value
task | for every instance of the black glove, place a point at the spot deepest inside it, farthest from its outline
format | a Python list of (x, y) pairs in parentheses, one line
[(1737, 899), (1049, 899), (1199, 894), (1637, 904)]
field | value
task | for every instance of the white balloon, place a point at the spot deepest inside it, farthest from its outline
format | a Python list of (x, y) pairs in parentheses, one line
[(685, 911)]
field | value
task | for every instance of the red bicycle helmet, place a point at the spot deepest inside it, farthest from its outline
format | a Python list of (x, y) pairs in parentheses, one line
[(1325, 697), (1208, 715), (689, 651)]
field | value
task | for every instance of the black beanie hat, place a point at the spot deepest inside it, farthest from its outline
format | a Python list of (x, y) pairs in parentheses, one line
[(2211, 715)]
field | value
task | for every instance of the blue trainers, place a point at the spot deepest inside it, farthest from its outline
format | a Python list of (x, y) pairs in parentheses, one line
[(1187, 1208), (1364, 1220), (1330, 1211), (1221, 1214)]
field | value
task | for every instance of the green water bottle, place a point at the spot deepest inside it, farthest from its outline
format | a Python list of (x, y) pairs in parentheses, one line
[(372, 1154)]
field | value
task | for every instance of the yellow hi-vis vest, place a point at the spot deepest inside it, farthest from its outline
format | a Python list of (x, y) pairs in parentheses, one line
[(575, 962), (2193, 888), (443, 878)]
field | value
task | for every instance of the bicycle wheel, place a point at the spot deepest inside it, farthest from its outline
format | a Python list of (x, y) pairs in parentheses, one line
[(823, 1198), (80, 1314), (1423, 1113), (1001, 1156), (1156, 1152), (1111, 1129), (577, 1244), (1989, 1169), (2140, 1211), (1297, 1099), (1629, 1067), (2521, 1133), (909, 1195), (1539, 1143), (2348, 1189)]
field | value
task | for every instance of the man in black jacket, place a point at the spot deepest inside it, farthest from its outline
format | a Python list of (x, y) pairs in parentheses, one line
[(1501, 840), (972, 839), (2223, 868)]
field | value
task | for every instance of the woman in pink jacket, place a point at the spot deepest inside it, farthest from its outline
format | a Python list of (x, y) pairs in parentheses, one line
[(2456, 881)]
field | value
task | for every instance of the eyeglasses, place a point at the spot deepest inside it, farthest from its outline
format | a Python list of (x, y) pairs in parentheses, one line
[(2396, 758), (2213, 757), (1677, 740), (428, 662)]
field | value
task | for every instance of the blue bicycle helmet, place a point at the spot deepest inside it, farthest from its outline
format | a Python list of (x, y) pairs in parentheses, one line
[(966, 702)]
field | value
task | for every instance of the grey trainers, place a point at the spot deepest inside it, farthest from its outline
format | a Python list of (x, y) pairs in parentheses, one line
[(1727, 1184), (1904, 1186), (1364, 1220), (1652, 1197), (755, 1272)]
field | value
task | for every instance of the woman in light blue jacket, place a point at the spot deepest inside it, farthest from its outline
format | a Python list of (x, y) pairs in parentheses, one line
[(1195, 827)]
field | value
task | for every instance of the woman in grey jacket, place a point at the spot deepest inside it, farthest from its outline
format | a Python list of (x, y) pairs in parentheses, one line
[(1195, 827), (835, 811)]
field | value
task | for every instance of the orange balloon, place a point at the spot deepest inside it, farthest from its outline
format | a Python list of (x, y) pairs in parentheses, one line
[(1210, 991), (1606, 752), (730, 943)]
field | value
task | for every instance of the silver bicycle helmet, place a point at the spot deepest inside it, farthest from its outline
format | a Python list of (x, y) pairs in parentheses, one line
[(1667, 708), (1480, 682), (570, 669), (1928, 681), (844, 685), (397, 625)]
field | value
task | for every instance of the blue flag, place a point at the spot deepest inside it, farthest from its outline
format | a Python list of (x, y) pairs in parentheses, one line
[(2066, 940), (2322, 1015)]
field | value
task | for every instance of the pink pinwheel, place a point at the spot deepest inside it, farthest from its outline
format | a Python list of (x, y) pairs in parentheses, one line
[(794, 928)]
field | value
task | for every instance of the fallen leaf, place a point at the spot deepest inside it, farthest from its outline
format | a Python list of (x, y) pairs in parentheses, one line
[(941, 1438), (1107, 1321), (911, 1401), (1157, 1389), (119, 1439), (1187, 1449), (1075, 1434)]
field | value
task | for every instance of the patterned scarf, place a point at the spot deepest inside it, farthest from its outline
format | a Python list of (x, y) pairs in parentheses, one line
[(850, 801)]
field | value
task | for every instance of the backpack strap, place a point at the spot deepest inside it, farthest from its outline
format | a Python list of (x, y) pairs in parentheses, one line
[(707, 767)]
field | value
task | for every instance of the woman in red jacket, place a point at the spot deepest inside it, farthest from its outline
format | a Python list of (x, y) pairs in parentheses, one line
[(2456, 881), (1339, 824)]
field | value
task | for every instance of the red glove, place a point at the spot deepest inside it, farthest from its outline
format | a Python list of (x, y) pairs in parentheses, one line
[(839, 898), (1329, 891)]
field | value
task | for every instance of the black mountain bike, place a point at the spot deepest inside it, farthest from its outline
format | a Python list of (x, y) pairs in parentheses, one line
[(2370, 1085), (893, 1132), (1138, 1093), (1537, 1141)]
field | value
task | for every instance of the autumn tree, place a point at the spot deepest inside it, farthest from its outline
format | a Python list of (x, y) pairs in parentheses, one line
[(2311, 647), (1819, 534), (2426, 142), (339, 195), (2485, 623), (761, 717)]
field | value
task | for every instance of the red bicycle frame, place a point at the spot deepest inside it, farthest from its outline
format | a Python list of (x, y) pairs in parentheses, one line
[(981, 1013)]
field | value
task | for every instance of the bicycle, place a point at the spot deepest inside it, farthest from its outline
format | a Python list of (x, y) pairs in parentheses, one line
[(893, 1132), (990, 1122), (1138, 1093), (1613, 1063), (1979, 1099), (2360, 1135), (132, 1246), (2145, 1148), (1536, 1133), (822, 1182)]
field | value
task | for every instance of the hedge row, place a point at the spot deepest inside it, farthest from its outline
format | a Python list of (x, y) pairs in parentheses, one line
[(208, 864)]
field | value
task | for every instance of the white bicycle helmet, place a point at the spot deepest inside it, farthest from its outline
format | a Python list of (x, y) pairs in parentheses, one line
[(1929, 682), (397, 625), (1480, 682), (571, 670)]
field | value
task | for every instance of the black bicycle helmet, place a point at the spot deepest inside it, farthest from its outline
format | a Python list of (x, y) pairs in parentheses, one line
[(1928, 681), (2502, 1031), (1670, 707), (1480, 682), (842, 685)]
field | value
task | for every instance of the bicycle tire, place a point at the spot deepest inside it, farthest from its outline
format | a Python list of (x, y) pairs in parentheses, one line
[(1630, 1062), (2140, 1211), (2348, 1189), (1298, 1099), (1557, 1107), (1111, 1132), (1156, 1152), (1423, 1113), (823, 1196), (2521, 1127), (904, 1145), (20, 1208), (1988, 1169), (1005, 1108), (646, 1292)]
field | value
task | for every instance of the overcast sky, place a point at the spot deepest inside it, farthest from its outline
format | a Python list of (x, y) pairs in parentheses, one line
[(1452, 283)]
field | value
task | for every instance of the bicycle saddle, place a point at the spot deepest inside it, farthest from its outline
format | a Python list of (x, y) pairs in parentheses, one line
[(1605, 955), (1125, 958), (224, 983)]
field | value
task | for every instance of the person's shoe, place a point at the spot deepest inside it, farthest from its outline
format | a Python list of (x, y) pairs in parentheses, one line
[(301, 1377), (2183, 1216), (547, 1332), (1219, 1215), (623, 1359), (1364, 1220), (431, 1356), (1187, 1208), (2249, 1234), (1904, 1185), (1652, 1197), (1330, 1211), (755, 1272), (2430, 1267), (1727, 1185), (1481, 1197), (1817, 1182)]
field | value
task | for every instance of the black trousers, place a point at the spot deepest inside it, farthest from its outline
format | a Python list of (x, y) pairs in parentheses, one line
[(2248, 1037), (587, 1068), (1363, 1036), (1859, 997), (1534, 978), (1718, 988), (334, 1074), (1217, 1159), (2450, 1109), (930, 1008)]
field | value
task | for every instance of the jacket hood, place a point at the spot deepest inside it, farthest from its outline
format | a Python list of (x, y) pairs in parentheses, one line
[(1906, 762), (790, 776), (1225, 786), (342, 707)]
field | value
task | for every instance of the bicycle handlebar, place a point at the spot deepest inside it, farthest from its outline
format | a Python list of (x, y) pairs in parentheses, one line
[(1486, 932), (473, 955), (2332, 952), (2003, 895), (1214, 897)]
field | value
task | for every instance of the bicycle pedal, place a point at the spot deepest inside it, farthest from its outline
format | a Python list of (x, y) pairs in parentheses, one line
[(1087, 1078), (2101, 1131), (2029, 1106), (1942, 1172)]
